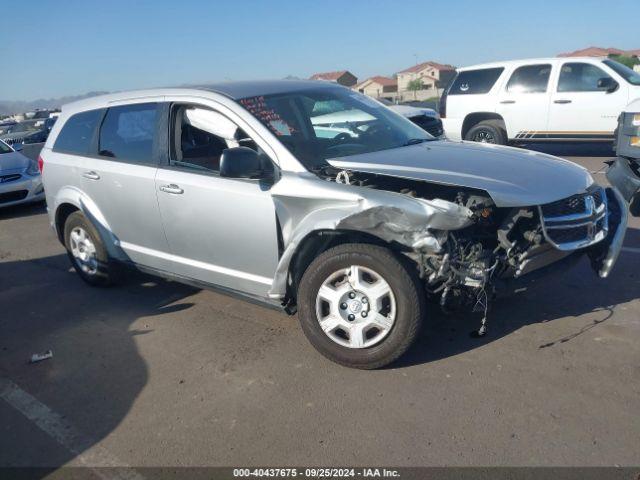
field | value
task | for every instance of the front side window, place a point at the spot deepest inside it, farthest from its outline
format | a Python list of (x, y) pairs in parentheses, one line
[(77, 133), (625, 72), (529, 79), (581, 77), (319, 124), (128, 133), (475, 81), (199, 136)]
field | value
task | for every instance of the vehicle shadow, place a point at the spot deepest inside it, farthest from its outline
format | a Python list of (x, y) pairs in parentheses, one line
[(569, 149), (24, 210), (96, 372), (551, 298)]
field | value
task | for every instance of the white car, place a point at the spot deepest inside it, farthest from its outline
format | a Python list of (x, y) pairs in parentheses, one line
[(20, 180), (548, 99), (352, 123)]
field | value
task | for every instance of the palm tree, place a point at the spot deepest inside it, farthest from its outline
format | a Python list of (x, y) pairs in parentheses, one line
[(415, 85)]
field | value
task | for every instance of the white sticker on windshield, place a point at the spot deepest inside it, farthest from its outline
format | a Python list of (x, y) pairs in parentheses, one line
[(280, 127)]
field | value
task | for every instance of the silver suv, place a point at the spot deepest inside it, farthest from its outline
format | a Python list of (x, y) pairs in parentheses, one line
[(308, 196)]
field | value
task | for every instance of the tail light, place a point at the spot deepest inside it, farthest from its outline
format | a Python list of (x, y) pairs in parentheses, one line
[(40, 163)]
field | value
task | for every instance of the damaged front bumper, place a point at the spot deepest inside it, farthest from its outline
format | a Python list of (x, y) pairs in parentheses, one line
[(604, 255), (624, 174)]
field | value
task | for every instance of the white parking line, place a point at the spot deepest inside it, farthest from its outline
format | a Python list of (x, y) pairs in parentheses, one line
[(631, 249), (87, 452)]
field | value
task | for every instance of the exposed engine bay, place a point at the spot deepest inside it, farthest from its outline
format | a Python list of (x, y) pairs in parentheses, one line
[(466, 267)]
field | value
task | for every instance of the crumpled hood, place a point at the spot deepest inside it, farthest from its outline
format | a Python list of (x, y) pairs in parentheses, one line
[(513, 177), (12, 162)]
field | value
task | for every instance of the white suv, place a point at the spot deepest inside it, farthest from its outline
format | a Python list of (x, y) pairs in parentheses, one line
[(548, 99)]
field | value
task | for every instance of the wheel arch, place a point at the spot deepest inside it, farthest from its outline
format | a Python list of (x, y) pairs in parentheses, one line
[(318, 241), (474, 118), (71, 199), (62, 213)]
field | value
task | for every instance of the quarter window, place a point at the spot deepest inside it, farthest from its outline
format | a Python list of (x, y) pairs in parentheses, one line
[(475, 81), (77, 133), (529, 79), (128, 133), (580, 77)]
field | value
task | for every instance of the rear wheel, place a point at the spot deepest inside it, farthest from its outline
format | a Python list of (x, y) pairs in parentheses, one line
[(488, 131), (87, 252), (360, 306)]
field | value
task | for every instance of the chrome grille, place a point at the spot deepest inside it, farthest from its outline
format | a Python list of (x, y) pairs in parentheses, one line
[(429, 124), (577, 221)]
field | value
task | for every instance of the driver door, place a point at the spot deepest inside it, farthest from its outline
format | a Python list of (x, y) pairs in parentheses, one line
[(220, 231), (580, 108)]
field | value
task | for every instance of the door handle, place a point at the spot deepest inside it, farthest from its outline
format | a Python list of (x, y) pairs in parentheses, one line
[(562, 101), (171, 188), (91, 175), (508, 101)]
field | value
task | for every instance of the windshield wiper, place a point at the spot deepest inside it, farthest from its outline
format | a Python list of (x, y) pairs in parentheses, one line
[(415, 141)]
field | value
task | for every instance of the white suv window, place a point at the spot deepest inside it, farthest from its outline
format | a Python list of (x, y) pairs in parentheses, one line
[(529, 79), (580, 77), (471, 82)]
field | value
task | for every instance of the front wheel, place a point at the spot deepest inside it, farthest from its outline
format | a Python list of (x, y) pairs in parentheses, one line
[(360, 306)]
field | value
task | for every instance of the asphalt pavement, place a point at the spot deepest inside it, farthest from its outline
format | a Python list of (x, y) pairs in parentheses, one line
[(155, 373)]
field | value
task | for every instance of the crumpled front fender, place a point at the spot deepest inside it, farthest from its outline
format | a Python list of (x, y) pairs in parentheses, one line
[(305, 205)]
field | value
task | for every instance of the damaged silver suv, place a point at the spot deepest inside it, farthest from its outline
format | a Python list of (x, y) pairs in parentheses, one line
[(311, 197)]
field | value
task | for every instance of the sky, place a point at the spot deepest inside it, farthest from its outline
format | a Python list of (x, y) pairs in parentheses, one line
[(53, 48)]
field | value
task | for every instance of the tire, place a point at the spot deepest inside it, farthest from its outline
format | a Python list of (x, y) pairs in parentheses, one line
[(97, 270), (372, 346), (492, 131)]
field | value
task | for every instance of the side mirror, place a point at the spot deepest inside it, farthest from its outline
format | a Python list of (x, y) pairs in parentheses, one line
[(240, 162), (608, 84), (17, 147)]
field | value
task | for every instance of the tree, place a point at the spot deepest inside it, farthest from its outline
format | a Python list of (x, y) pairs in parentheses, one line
[(627, 60), (415, 85)]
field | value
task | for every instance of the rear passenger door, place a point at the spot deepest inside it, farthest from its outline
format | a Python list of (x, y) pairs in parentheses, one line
[(523, 101), (120, 179)]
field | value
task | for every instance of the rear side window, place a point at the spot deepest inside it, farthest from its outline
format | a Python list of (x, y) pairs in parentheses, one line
[(529, 79), (77, 133), (475, 81), (128, 133)]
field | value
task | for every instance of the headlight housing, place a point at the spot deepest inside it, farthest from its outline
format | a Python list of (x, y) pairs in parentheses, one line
[(32, 169)]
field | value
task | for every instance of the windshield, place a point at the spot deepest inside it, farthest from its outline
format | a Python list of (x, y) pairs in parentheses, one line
[(4, 148), (625, 72), (324, 123)]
